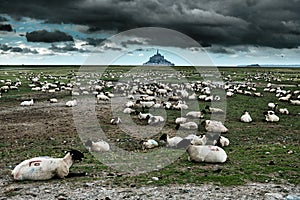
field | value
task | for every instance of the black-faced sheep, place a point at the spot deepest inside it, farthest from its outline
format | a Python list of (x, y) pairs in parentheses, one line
[(44, 168)]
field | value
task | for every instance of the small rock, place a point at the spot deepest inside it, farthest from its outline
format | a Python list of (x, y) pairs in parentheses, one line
[(267, 153), (155, 178), (290, 152), (273, 196)]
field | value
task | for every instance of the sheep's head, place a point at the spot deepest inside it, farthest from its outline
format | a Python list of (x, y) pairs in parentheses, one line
[(88, 143), (76, 155), (164, 137)]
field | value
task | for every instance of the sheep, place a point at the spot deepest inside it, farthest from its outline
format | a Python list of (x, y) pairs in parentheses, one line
[(27, 103), (148, 144), (71, 103), (180, 120), (199, 140), (144, 116), (53, 100), (283, 111), (153, 120), (246, 117), (285, 98), (206, 153), (100, 146), (128, 110), (196, 114), (44, 168), (222, 142), (271, 117), (295, 102), (214, 126), (170, 142), (115, 121), (102, 97), (187, 126), (272, 105), (214, 110)]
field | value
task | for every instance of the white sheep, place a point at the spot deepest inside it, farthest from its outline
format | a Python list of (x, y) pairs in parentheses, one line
[(272, 105), (195, 114), (149, 144), (180, 120), (27, 103), (44, 168), (295, 102), (271, 117), (102, 97), (214, 110), (144, 115), (206, 153), (284, 111), (170, 142), (100, 146), (199, 140), (71, 103), (187, 126), (153, 120), (214, 126), (222, 142), (53, 100), (115, 121), (128, 110), (246, 117)]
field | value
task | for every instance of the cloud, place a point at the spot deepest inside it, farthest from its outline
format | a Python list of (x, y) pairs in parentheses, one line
[(94, 41), (66, 48), (48, 37), (6, 48), (6, 27), (273, 23), (3, 19)]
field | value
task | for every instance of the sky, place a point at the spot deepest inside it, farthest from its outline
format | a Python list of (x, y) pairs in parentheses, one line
[(226, 32)]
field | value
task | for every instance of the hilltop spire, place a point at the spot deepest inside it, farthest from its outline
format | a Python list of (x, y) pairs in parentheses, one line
[(158, 59)]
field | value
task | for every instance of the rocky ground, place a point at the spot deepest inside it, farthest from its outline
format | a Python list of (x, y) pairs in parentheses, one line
[(96, 190)]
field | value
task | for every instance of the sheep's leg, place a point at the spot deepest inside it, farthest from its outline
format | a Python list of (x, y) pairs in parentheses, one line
[(62, 172)]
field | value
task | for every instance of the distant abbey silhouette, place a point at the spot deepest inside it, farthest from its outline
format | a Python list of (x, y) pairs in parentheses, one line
[(158, 60)]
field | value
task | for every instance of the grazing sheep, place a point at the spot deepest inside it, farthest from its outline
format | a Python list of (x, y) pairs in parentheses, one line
[(148, 144), (283, 111), (44, 168), (187, 126), (214, 110), (27, 103), (246, 117), (100, 146), (271, 117), (115, 121), (285, 98), (171, 142), (71, 103), (214, 126), (206, 153)]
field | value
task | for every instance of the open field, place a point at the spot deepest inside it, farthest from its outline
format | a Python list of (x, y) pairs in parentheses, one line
[(260, 151)]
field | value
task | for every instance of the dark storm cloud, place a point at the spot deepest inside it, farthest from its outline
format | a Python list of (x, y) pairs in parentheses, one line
[(274, 23), (94, 41), (6, 27), (49, 37)]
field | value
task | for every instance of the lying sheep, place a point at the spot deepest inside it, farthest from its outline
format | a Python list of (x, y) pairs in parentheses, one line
[(214, 126), (116, 121), (196, 114), (148, 144), (187, 126), (44, 168), (246, 117), (284, 111), (271, 117), (153, 120), (27, 103), (170, 142), (100, 146), (71, 103), (214, 110), (206, 153)]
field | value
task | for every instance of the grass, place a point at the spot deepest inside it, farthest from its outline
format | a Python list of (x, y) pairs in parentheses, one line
[(259, 151)]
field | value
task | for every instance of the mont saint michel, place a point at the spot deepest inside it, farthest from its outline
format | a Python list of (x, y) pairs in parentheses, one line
[(158, 60)]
